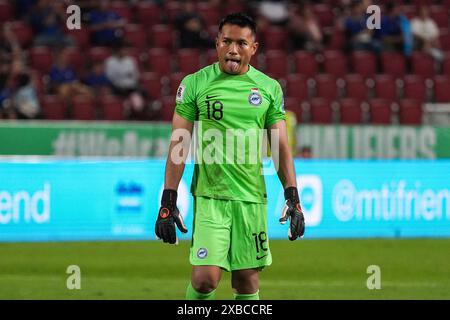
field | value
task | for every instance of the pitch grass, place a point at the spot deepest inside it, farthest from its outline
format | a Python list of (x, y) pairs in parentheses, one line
[(307, 269)]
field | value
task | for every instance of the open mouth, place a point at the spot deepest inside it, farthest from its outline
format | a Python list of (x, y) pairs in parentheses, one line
[(233, 60), (232, 64)]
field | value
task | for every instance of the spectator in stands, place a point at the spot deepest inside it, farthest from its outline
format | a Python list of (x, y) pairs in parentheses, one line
[(123, 74), (426, 34), (395, 32), (106, 25), (304, 29), (11, 55), (63, 79), (48, 20), (191, 28), (305, 152), (97, 79), (275, 12), (5, 96), (359, 37), (25, 101)]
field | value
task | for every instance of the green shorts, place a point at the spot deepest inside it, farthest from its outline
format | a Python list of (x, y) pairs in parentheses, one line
[(230, 234)]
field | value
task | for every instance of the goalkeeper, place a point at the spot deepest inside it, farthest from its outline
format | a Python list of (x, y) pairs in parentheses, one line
[(230, 213)]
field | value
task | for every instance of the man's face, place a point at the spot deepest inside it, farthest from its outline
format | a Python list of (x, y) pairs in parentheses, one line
[(235, 47)]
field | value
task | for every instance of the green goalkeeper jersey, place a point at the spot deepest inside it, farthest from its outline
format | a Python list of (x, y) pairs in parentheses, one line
[(232, 111)]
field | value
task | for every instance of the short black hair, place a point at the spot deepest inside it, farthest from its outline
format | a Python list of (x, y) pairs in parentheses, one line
[(239, 19)]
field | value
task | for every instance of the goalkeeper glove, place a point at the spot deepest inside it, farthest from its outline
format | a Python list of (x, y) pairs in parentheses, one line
[(293, 212), (168, 216)]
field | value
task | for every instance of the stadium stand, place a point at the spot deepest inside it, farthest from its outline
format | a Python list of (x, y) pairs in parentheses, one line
[(319, 79)]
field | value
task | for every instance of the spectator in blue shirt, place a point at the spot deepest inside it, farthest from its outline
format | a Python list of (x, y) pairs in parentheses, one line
[(359, 37), (64, 80), (47, 20), (97, 79), (106, 25), (390, 32)]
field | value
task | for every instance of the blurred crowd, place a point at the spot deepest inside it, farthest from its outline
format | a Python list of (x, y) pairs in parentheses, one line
[(119, 74)]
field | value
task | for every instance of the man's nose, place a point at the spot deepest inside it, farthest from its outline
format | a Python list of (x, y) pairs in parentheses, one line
[(233, 49)]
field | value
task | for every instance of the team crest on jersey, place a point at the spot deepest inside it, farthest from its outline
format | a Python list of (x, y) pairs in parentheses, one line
[(180, 92), (202, 253), (255, 97)]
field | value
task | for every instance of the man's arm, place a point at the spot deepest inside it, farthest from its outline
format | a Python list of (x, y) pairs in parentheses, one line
[(286, 171), (169, 215), (178, 151), (292, 211)]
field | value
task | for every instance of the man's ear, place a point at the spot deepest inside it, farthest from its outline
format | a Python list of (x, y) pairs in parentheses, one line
[(255, 47), (217, 42)]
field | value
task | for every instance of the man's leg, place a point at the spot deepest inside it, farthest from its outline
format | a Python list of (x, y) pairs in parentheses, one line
[(204, 282), (245, 284)]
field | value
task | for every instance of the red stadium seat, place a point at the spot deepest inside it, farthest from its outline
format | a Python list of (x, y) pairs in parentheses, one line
[(41, 59), (393, 63), (305, 64), (122, 9), (53, 108), (159, 61), (6, 11), (37, 81), (173, 9), (380, 111), (167, 108), (336, 38), (76, 59), (326, 86), (99, 54), (385, 87), (188, 60), (23, 33), (324, 14), (274, 38), (81, 36), (414, 87), (162, 36), (444, 39), (440, 15), (112, 108), (293, 104), (335, 63), (233, 6), (364, 63), (135, 36), (350, 111), (209, 13), (410, 112), (297, 87), (83, 108), (355, 87), (422, 64), (442, 89), (148, 14), (276, 63), (211, 56), (446, 64), (151, 82), (175, 80), (320, 110)]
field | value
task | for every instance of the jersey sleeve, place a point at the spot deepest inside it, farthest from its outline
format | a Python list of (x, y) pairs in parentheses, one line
[(185, 99), (276, 111)]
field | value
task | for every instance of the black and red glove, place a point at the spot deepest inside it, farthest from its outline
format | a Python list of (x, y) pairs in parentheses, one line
[(292, 211), (168, 217)]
